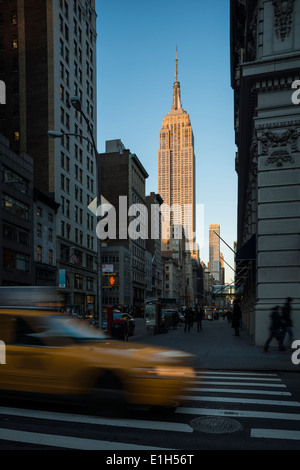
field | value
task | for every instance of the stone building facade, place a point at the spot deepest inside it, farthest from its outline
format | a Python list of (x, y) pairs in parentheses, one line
[(123, 183), (265, 58)]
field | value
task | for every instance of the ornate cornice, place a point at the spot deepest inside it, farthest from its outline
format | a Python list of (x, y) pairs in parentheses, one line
[(283, 10)]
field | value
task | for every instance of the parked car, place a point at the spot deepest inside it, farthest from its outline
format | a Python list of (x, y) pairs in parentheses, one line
[(50, 354)]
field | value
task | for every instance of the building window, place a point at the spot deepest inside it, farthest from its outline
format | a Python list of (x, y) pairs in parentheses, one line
[(89, 283), (39, 230), (15, 181), (39, 254), (89, 261), (78, 281), (12, 259), (50, 257), (15, 234), (12, 206)]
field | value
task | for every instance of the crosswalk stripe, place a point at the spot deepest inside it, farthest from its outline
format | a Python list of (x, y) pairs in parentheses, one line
[(232, 376), (68, 442), (247, 374), (238, 413), (242, 400), (237, 390), (248, 384), (129, 423), (275, 434)]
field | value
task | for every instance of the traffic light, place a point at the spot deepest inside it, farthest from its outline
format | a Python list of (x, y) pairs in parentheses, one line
[(113, 280), (110, 280)]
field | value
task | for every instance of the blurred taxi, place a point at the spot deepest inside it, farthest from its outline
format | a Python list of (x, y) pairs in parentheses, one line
[(58, 355)]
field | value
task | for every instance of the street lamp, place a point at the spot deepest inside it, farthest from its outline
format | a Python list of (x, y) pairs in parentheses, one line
[(76, 103)]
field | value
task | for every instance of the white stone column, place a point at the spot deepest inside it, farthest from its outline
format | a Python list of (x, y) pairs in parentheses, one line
[(278, 197)]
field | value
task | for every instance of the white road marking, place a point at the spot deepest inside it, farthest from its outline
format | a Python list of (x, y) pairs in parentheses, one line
[(242, 400), (235, 390), (235, 373), (238, 413), (248, 384), (67, 442), (74, 418), (232, 377), (275, 434)]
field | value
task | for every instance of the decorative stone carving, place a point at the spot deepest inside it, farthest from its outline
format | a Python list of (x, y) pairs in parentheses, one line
[(283, 10), (278, 145), (279, 157)]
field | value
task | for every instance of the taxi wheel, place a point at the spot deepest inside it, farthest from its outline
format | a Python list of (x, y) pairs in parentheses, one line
[(109, 388)]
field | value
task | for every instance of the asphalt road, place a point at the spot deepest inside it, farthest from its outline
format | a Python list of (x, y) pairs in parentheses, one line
[(241, 399)]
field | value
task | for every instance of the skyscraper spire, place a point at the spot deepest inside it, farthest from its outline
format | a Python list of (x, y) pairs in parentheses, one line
[(176, 105)]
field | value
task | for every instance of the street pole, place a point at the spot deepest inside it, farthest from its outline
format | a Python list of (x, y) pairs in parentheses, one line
[(76, 103)]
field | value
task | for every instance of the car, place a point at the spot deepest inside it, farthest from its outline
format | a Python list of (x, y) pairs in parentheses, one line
[(49, 354), (181, 317)]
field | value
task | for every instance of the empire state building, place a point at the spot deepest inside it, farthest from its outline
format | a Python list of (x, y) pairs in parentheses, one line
[(176, 164)]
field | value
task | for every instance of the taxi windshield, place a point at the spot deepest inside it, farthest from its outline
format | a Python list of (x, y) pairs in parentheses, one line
[(59, 331)]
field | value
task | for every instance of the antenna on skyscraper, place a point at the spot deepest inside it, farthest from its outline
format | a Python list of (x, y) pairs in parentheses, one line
[(176, 71)]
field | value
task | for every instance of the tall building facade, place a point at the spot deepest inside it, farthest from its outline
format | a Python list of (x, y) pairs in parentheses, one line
[(265, 58), (214, 252), (123, 176), (176, 164), (48, 55), (16, 217)]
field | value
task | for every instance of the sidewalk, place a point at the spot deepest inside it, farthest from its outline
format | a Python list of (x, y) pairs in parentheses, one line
[(215, 347)]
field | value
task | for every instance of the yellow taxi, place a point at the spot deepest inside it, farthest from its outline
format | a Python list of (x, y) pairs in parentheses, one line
[(48, 353)]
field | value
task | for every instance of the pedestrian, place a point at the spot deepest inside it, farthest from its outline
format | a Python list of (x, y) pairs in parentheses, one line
[(199, 318), (287, 320), (188, 320), (236, 318), (276, 329)]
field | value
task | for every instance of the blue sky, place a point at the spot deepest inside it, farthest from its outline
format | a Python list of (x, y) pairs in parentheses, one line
[(136, 50)]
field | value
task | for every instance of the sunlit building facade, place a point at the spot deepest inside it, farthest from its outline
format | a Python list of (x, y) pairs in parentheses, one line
[(176, 164), (214, 252)]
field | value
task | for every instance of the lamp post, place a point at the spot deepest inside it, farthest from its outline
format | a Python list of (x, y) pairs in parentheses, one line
[(76, 103)]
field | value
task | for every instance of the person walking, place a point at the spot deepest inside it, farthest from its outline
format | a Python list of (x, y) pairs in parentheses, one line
[(276, 330), (199, 318), (287, 320), (236, 318), (188, 320)]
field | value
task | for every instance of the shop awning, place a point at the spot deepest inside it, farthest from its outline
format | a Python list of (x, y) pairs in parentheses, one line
[(247, 250)]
